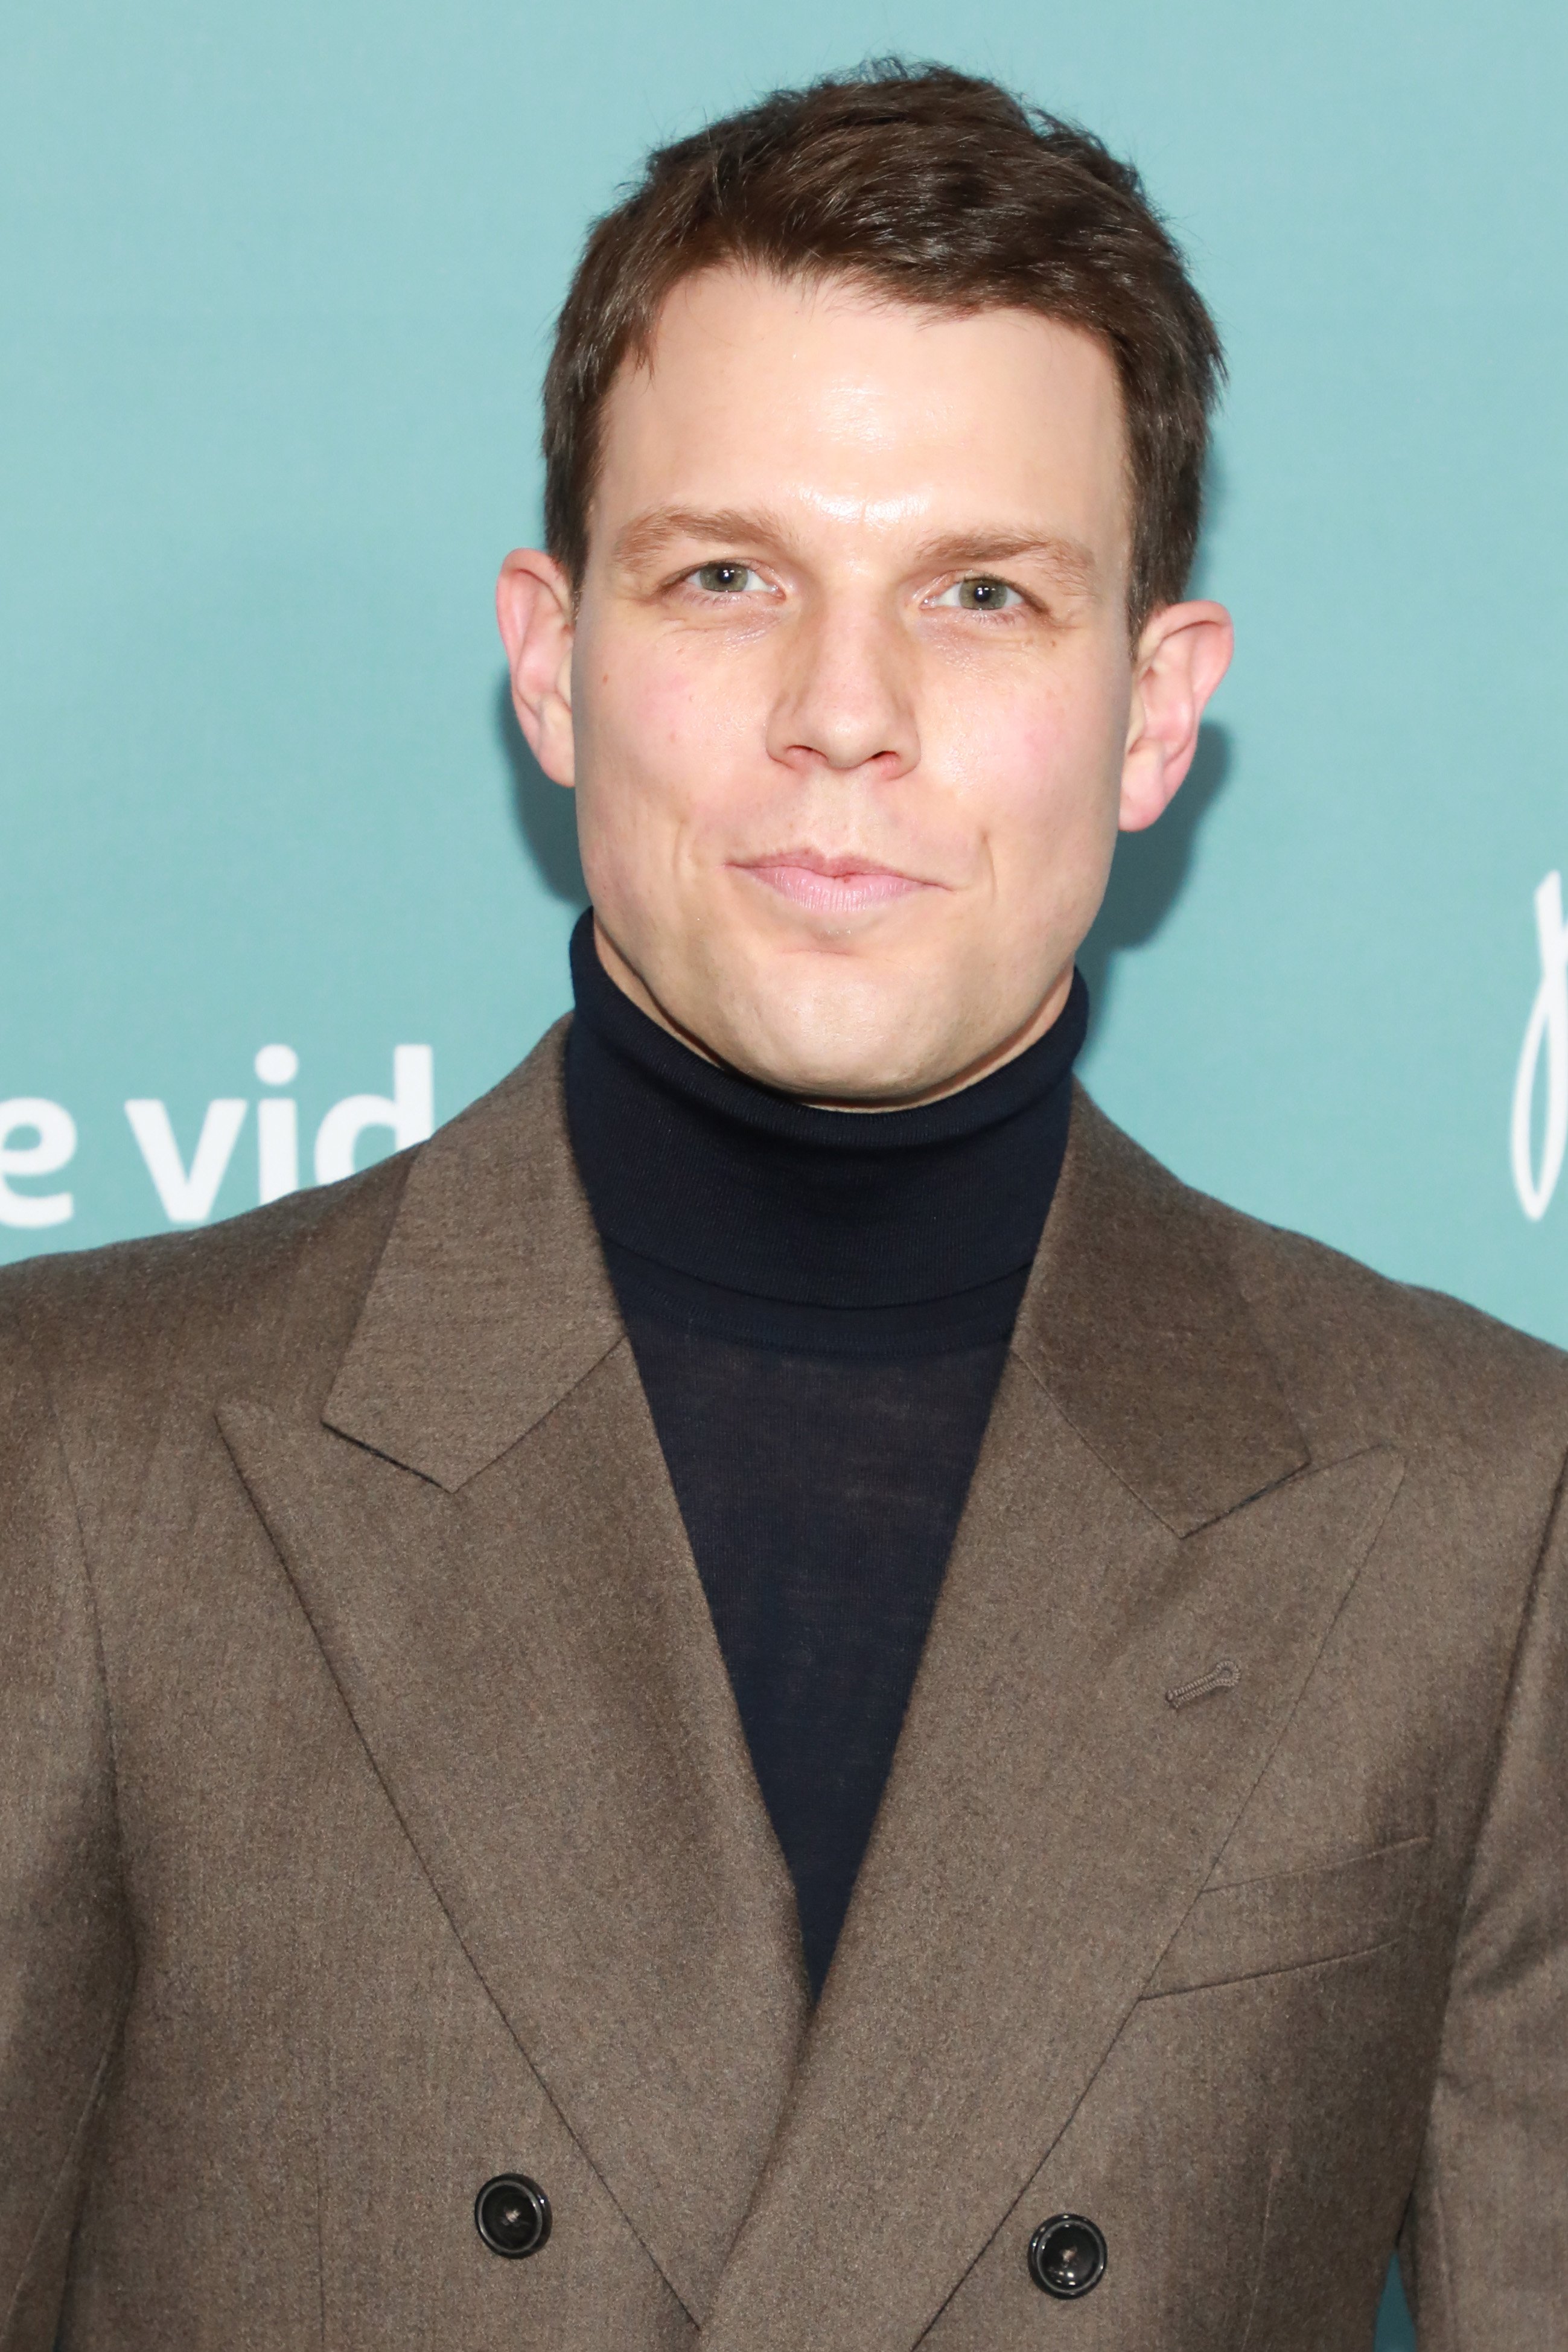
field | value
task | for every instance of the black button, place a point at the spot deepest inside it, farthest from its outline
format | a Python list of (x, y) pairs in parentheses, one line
[(512, 2214), (1067, 2256)]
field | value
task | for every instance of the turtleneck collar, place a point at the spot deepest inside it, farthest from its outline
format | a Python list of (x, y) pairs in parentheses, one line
[(724, 1192)]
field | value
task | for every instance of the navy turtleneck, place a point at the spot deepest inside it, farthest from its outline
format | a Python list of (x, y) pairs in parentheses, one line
[(820, 1304)]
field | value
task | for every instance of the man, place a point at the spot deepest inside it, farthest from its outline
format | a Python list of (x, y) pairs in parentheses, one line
[(775, 1689)]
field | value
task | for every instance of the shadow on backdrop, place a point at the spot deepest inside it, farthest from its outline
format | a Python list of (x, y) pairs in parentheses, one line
[(546, 814), (1150, 869)]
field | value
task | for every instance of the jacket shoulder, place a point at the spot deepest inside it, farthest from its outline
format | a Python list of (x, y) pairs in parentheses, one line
[(1360, 1358), (264, 1304), (264, 1300), (1358, 1351)]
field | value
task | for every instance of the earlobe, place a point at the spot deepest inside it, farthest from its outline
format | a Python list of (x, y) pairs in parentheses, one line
[(1183, 653), (535, 611)]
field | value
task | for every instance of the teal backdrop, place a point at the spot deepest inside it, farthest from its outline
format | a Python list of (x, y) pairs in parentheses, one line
[(276, 284)]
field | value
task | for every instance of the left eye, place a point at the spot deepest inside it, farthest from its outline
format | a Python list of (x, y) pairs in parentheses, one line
[(725, 579), (980, 595)]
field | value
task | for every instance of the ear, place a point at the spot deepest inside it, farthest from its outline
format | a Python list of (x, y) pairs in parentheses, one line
[(1183, 653), (535, 608)]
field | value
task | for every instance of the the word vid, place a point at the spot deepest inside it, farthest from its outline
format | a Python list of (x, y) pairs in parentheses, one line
[(187, 1189)]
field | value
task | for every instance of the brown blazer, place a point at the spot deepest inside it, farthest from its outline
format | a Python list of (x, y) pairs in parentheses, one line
[(374, 1816)]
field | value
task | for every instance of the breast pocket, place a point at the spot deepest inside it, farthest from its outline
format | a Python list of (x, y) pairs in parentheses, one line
[(1256, 1926)]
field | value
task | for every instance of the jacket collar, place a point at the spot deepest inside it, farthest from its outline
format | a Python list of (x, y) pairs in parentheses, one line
[(491, 1302), (1133, 1325)]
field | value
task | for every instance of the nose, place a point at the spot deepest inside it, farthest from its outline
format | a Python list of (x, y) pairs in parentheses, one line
[(846, 699)]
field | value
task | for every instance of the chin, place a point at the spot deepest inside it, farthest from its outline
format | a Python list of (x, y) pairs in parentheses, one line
[(876, 1069), (839, 1032)]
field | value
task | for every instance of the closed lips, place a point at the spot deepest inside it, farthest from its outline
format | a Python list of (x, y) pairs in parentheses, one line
[(833, 886)]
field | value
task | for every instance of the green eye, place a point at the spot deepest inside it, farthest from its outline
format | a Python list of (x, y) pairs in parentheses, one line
[(723, 579), (981, 595)]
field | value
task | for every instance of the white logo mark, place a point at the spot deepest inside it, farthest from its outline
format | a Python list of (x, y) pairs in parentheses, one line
[(1547, 1029)]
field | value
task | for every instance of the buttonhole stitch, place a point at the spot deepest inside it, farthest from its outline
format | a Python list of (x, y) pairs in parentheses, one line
[(1225, 1676)]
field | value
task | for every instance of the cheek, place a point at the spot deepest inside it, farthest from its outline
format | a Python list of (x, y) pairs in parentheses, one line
[(1038, 762), (663, 771), (652, 722)]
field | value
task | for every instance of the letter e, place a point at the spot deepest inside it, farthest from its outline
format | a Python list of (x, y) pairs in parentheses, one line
[(54, 1130)]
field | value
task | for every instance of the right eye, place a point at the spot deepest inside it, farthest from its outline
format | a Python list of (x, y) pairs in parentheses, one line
[(725, 579)]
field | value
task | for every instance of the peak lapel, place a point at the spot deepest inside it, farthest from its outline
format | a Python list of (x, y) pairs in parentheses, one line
[(496, 1570), (1133, 1327), (490, 1301), (1050, 1818)]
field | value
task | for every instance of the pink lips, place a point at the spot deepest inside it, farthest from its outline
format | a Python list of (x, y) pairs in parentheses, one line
[(832, 886)]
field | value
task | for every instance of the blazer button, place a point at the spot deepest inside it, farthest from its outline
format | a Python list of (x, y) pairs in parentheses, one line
[(512, 2214), (1067, 2256)]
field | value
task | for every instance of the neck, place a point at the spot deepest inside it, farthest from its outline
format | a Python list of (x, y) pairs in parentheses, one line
[(721, 1183), (630, 982)]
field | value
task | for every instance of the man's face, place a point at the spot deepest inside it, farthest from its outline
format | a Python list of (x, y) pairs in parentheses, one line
[(853, 710)]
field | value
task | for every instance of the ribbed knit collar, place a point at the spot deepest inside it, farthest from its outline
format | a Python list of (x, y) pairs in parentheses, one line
[(723, 1182)]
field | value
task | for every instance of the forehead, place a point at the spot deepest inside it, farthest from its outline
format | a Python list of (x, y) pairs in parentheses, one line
[(845, 405)]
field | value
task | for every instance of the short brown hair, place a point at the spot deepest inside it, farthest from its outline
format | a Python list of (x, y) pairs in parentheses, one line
[(944, 191)]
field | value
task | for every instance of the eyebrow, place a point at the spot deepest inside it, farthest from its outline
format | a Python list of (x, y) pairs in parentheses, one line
[(647, 536), (1072, 562)]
